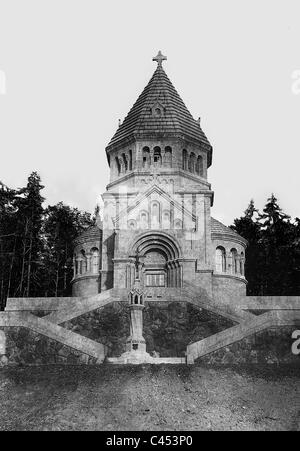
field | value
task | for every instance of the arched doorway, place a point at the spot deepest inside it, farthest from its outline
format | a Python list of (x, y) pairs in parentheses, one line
[(155, 269), (160, 265)]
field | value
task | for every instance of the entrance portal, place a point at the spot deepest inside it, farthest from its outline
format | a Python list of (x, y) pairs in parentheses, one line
[(160, 260)]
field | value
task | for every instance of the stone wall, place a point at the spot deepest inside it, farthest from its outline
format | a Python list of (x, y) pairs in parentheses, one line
[(168, 326), (272, 346), (108, 325), (228, 289), (25, 347), (86, 285)]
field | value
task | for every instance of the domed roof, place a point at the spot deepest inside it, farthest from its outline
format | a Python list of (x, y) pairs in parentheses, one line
[(159, 111), (92, 233), (217, 229)]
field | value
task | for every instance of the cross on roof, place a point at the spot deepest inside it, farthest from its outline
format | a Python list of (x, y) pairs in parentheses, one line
[(159, 58)]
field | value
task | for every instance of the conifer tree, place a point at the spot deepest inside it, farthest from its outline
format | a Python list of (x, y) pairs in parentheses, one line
[(29, 205), (62, 225), (7, 240), (248, 227), (277, 235)]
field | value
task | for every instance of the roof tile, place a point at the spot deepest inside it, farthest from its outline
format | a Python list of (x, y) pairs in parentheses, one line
[(174, 119)]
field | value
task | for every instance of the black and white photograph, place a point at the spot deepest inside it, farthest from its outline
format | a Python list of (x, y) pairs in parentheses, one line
[(149, 218)]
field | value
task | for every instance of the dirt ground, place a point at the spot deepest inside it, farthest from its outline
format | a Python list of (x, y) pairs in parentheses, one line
[(149, 397)]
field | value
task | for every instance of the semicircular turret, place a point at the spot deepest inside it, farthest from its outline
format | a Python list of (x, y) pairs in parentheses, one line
[(87, 262)]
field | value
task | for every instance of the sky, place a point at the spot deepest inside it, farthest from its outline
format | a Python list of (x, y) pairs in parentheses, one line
[(73, 68)]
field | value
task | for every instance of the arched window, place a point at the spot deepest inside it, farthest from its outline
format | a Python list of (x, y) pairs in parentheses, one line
[(192, 162), (95, 260), (83, 262), (168, 156), (157, 156), (146, 157), (220, 259), (166, 219), (118, 166), (132, 224), (178, 224), (199, 166), (130, 160), (76, 264), (144, 220), (125, 162), (184, 160), (155, 215), (242, 264), (234, 261)]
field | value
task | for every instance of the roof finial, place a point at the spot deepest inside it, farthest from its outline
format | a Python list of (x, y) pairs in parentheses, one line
[(159, 58)]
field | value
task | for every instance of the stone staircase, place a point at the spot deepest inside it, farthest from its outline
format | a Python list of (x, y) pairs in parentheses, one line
[(16, 315), (61, 310), (236, 333), (199, 298), (48, 329), (86, 305)]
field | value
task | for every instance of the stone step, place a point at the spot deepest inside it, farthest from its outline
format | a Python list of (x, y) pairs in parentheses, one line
[(135, 360)]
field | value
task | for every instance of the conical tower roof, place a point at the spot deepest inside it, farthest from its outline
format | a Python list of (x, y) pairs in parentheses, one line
[(159, 112)]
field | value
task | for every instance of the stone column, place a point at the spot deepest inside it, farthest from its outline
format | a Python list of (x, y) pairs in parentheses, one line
[(88, 262), (238, 265), (136, 341), (178, 273), (3, 358)]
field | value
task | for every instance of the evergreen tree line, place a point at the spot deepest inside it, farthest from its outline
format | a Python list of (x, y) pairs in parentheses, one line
[(273, 253), (36, 243)]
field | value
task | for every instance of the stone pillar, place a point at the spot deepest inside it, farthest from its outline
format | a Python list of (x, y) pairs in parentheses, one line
[(3, 358), (80, 265), (173, 274), (88, 262), (178, 272), (136, 341), (238, 265), (229, 263), (242, 265), (135, 344)]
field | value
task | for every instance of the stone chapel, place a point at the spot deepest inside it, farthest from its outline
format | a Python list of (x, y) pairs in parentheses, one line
[(157, 208), (157, 280)]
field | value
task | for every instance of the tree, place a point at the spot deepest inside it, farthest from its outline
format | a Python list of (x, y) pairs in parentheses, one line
[(36, 244), (248, 227), (29, 217), (7, 240), (273, 253), (61, 226), (277, 240)]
